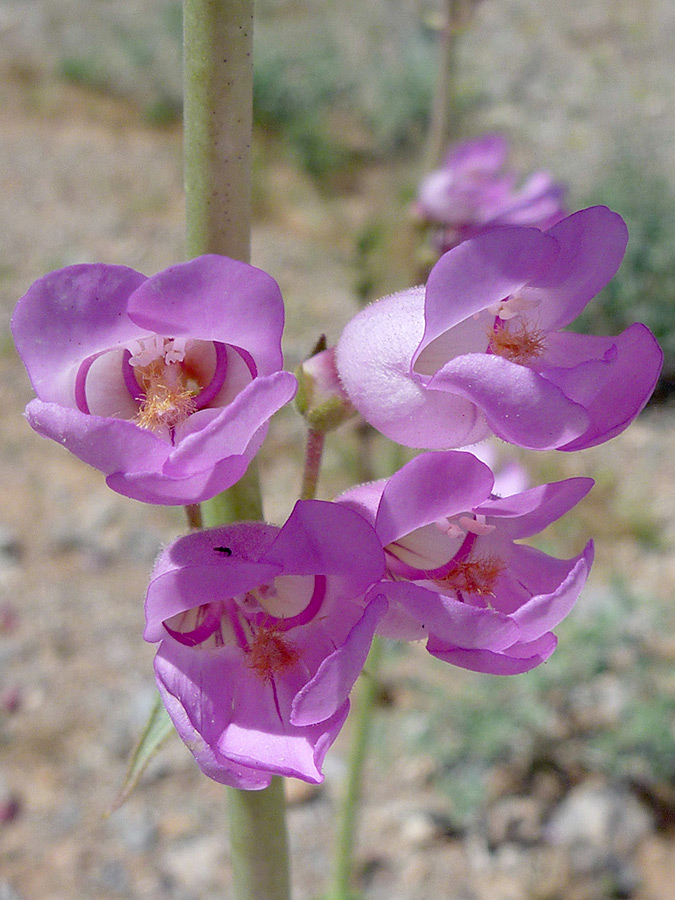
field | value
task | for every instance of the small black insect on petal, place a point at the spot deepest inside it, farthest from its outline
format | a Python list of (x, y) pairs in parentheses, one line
[(224, 550)]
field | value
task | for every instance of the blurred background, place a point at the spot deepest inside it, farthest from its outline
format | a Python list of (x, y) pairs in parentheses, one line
[(555, 785)]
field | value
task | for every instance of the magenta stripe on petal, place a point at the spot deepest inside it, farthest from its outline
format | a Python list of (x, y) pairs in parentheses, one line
[(81, 382), (309, 612), (199, 634), (217, 381), (129, 375)]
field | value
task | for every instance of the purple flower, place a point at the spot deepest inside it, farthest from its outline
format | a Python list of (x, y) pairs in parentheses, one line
[(262, 632), (482, 349), (469, 194), (166, 383), (455, 575)]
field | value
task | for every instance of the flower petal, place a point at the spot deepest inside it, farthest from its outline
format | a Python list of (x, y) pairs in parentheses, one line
[(520, 406), (215, 298), (260, 733), (374, 358), (524, 658), (230, 430), (532, 510), (197, 691), (321, 538), (481, 272), (328, 690), (430, 487), (69, 315), (545, 611), (451, 621), (110, 445), (613, 388), (592, 244)]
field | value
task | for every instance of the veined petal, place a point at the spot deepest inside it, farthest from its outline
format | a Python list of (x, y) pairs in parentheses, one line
[(197, 690), (259, 735)]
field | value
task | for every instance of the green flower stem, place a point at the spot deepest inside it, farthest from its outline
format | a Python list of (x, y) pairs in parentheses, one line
[(361, 720), (443, 102), (218, 103), (241, 502), (313, 454), (218, 124), (258, 843)]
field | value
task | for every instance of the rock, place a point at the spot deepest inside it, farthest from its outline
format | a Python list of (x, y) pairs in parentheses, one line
[(10, 545), (514, 820), (599, 824)]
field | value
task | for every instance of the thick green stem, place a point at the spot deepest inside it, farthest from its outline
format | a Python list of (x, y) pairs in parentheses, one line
[(258, 843), (361, 720), (218, 102), (241, 502)]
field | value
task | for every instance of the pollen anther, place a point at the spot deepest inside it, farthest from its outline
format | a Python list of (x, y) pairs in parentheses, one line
[(518, 343), (474, 576), (167, 401), (269, 653)]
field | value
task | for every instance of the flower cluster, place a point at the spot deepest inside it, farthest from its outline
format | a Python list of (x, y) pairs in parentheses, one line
[(166, 384), (471, 193)]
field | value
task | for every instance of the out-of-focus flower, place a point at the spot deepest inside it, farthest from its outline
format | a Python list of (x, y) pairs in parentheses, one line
[(470, 193), (165, 383), (482, 349), (454, 572), (262, 632)]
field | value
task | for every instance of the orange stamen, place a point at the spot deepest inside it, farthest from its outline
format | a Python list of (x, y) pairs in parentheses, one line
[(516, 342), (270, 653), (167, 401), (474, 576)]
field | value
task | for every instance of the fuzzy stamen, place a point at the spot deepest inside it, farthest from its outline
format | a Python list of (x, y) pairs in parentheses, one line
[(474, 576), (269, 653), (168, 399), (517, 342)]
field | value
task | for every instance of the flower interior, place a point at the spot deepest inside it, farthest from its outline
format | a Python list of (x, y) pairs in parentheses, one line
[(159, 382), (256, 622), (446, 553)]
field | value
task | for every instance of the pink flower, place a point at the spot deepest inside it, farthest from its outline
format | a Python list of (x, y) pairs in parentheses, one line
[(482, 349), (165, 383), (469, 194), (262, 632), (455, 575)]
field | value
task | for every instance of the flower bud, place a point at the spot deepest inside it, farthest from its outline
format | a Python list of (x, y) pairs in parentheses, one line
[(321, 399)]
